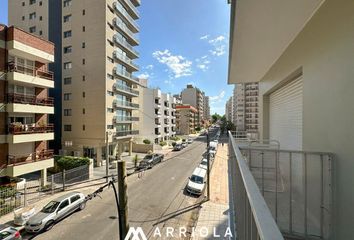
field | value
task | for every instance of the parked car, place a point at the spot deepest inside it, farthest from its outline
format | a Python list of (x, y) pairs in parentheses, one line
[(150, 160), (184, 144), (55, 211), (178, 147), (204, 163), (189, 140), (9, 233), (196, 183)]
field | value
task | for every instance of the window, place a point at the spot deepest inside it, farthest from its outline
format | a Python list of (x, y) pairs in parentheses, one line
[(110, 42), (110, 76), (23, 18), (110, 93), (83, 78), (67, 96), (67, 3), (67, 128), (40, 3), (83, 111), (67, 80), (83, 127), (32, 15), (83, 28), (68, 49), (32, 29), (110, 110), (40, 32), (67, 112), (67, 65), (67, 18), (40, 18), (68, 143), (23, 3), (109, 126), (83, 12), (110, 59), (32, 2), (63, 204), (83, 61), (67, 34), (74, 198), (83, 45), (83, 94)]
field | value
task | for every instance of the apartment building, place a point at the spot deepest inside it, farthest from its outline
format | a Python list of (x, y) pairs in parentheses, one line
[(98, 86), (195, 97), (24, 83), (246, 100), (206, 101), (229, 109), (186, 119), (157, 115), (304, 68)]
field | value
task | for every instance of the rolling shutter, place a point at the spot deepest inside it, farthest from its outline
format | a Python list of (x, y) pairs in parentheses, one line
[(285, 115)]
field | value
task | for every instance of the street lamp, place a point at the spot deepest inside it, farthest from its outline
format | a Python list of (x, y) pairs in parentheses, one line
[(107, 153)]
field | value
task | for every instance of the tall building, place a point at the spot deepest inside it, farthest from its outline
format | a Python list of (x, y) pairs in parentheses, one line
[(186, 119), (194, 97), (206, 108), (246, 100), (229, 109), (157, 117), (97, 43), (24, 83)]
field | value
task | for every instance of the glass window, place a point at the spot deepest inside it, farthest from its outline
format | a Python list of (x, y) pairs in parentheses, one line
[(67, 3), (68, 49), (67, 18), (67, 65), (67, 80), (74, 198), (63, 205), (4, 235), (83, 45), (67, 34), (32, 15), (67, 96), (32, 2), (67, 112), (50, 207), (67, 128), (32, 29)]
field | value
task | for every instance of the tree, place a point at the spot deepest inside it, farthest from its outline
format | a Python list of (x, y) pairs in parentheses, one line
[(146, 141), (215, 117)]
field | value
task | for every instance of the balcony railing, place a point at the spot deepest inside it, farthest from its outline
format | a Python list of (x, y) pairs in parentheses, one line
[(133, 36), (28, 70), (119, 7), (31, 157), (123, 133), (125, 44), (18, 128), (120, 103), (118, 119), (125, 59), (132, 7), (279, 191), (136, 2), (29, 99), (125, 88), (126, 75)]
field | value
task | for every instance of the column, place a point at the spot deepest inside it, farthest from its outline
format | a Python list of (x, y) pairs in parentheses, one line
[(130, 147), (43, 177), (98, 156)]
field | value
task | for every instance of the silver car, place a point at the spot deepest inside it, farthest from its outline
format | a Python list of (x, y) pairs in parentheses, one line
[(54, 211), (9, 233)]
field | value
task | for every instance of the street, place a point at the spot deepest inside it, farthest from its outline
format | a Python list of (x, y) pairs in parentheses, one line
[(155, 200)]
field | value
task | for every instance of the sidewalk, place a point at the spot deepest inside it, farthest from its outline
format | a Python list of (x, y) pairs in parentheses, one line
[(214, 213)]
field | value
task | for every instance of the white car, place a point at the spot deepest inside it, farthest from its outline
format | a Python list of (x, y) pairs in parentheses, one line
[(189, 141), (196, 183), (204, 164)]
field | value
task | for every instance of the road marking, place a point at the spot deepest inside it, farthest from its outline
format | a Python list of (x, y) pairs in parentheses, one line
[(86, 216)]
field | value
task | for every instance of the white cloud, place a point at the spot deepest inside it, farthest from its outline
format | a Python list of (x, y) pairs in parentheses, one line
[(149, 67), (218, 50), (217, 39), (177, 64), (144, 75), (217, 98), (204, 37), (203, 63), (202, 67)]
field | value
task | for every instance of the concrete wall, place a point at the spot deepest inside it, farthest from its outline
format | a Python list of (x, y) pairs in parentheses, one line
[(324, 53), (142, 148)]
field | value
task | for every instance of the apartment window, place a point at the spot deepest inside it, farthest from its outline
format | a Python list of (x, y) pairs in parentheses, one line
[(110, 76), (110, 127), (83, 61), (83, 127), (83, 78), (110, 59), (23, 4), (67, 18), (67, 112), (67, 96), (40, 18), (40, 3), (67, 80), (83, 94), (110, 42), (23, 18), (110, 110), (67, 3), (67, 65), (68, 143), (83, 111), (83, 45), (32, 2), (40, 32), (110, 93), (32, 15), (32, 29), (67, 34), (68, 49), (67, 128), (83, 28), (83, 12)]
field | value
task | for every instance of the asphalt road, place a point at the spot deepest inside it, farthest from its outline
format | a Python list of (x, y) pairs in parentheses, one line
[(156, 200)]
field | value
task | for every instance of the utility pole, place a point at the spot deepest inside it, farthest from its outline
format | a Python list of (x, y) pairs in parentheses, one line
[(208, 166), (123, 198), (107, 157)]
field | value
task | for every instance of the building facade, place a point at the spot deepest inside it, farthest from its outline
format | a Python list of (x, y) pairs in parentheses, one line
[(186, 119), (206, 101), (305, 76), (195, 97), (157, 117), (229, 106), (24, 84), (97, 65)]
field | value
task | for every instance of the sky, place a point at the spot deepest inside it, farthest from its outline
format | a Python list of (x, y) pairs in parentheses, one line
[(182, 42)]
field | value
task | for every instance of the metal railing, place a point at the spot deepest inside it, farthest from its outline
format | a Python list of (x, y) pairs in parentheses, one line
[(133, 36), (123, 133), (125, 88), (125, 59), (30, 157), (127, 75), (29, 99), (18, 129), (132, 7), (29, 70), (119, 7), (117, 119), (250, 218), (125, 44), (120, 103)]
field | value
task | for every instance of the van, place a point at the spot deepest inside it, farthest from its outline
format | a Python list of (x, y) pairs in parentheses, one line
[(196, 182)]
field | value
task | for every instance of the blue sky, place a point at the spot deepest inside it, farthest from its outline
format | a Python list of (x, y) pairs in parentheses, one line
[(181, 42)]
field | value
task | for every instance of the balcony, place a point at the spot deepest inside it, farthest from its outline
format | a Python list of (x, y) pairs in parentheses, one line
[(126, 46), (122, 119), (126, 75), (29, 76), (126, 16), (131, 9), (280, 193), (136, 3), (157, 133), (126, 133), (125, 104), (132, 38), (125, 61), (21, 103), (125, 89), (21, 133)]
